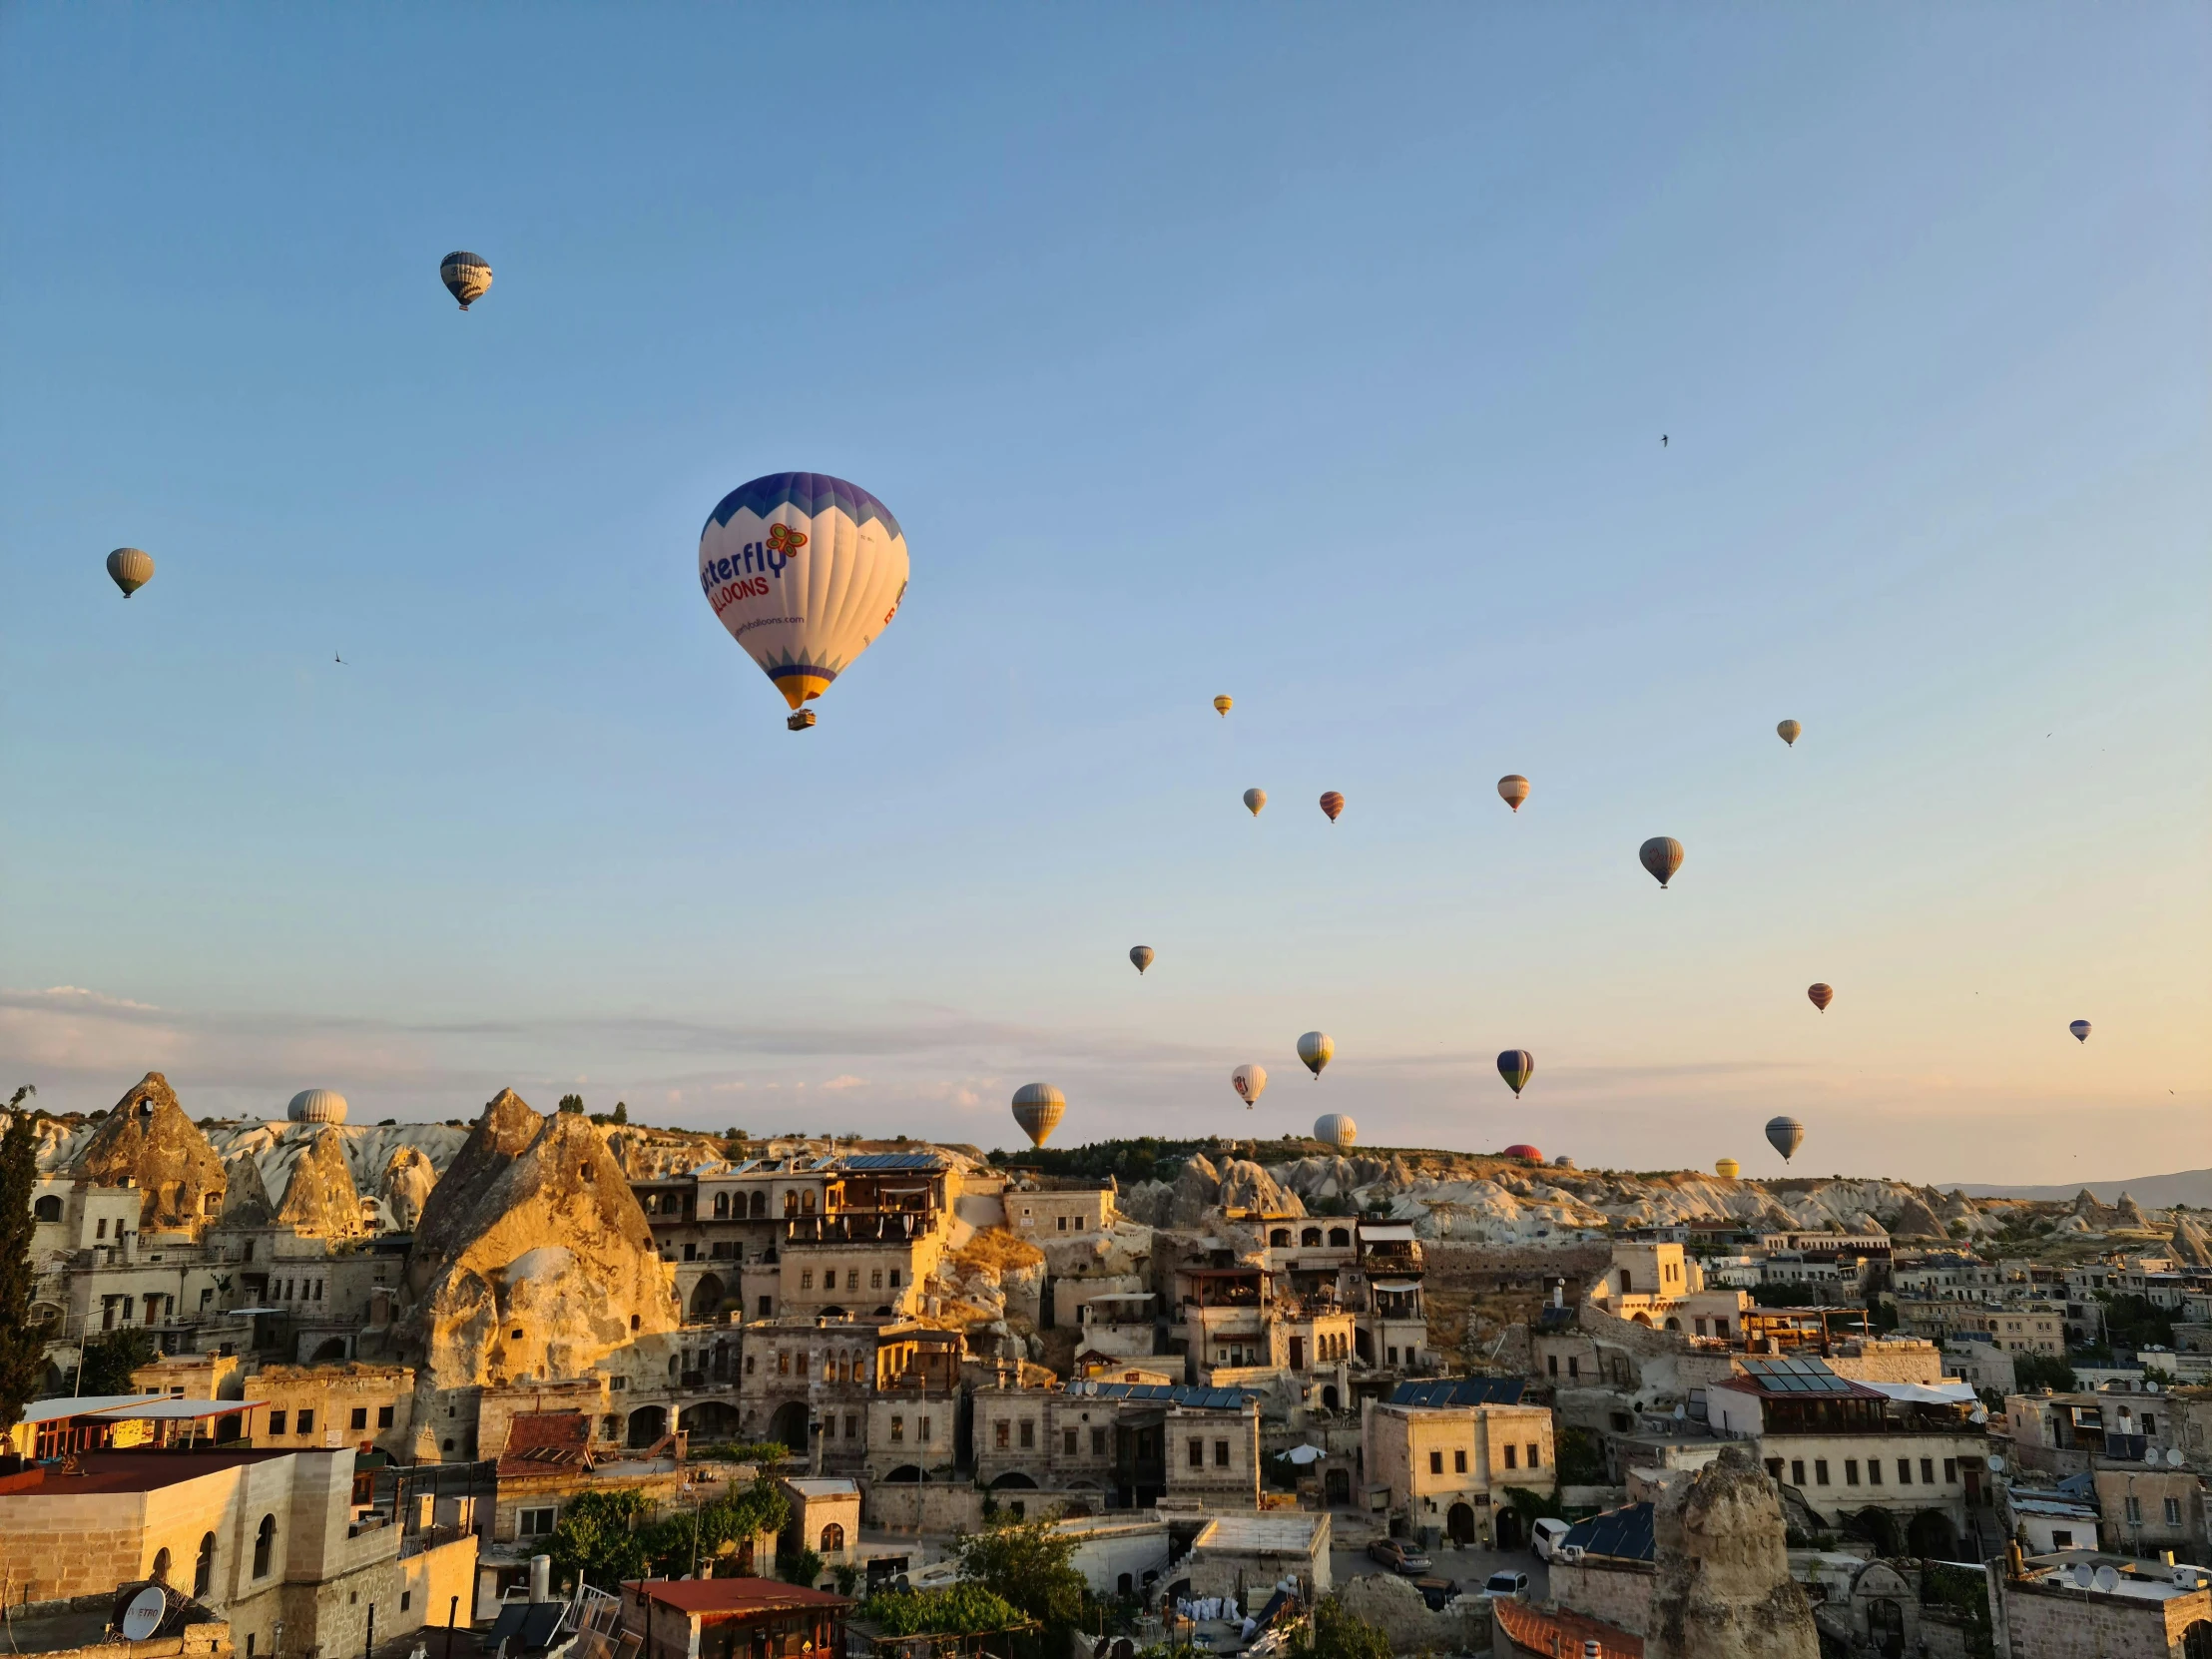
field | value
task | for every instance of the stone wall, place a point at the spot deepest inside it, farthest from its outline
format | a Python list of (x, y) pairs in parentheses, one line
[(1619, 1592), (1392, 1605), (924, 1507), (2048, 1622)]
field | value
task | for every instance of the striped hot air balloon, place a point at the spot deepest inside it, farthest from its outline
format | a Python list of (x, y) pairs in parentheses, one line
[(1728, 1169), (1821, 996), (1513, 788), (130, 568), (467, 276), (1223, 704), (1662, 856), (1038, 1108), (1317, 1049), (1525, 1153), (1332, 802), (1785, 1135), (1788, 732), (1141, 954), (805, 570), (2080, 1029), (1337, 1129), (1516, 1066), (1254, 800)]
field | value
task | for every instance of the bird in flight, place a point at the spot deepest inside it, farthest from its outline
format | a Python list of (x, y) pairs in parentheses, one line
[(1662, 440), (336, 658)]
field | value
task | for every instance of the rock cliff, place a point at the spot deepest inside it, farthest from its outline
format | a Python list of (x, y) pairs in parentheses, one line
[(540, 1262), (245, 1200), (1200, 1189), (404, 1187), (1724, 1589), (320, 1201), (1917, 1220), (148, 1139)]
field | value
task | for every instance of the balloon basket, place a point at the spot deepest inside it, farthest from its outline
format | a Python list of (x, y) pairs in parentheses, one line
[(801, 720)]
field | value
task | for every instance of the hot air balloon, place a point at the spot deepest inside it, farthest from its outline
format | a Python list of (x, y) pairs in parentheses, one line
[(1662, 856), (1331, 803), (1337, 1129), (1250, 1082), (130, 569), (1513, 788), (1038, 1108), (466, 276), (1525, 1152), (1223, 704), (1788, 732), (2080, 1029), (805, 570), (1728, 1169), (1141, 954), (1821, 996), (1255, 800), (1516, 1066), (1316, 1048), (1785, 1135)]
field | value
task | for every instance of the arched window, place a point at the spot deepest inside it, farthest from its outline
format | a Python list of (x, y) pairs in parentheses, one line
[(1309, 1238), (1278, 1237), (48, 1208), (721, 1206), (160, 1574), (807, 1202), (833, 1538), (1339, 1236), (203, 1570), (759, 1206), (791, 1203), (264, 1542)]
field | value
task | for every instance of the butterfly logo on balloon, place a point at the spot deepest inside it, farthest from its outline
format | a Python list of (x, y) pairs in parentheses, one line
[(782, 538)]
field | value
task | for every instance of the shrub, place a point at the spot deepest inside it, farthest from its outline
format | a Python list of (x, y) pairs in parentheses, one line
[(962, 1609)]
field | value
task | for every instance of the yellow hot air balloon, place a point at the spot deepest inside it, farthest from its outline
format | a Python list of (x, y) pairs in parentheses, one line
[(1317, 1049), (1038, 1108), (1223, 704), (468, 278), (1513, 788), (1788, 732), (1255, 800), (130, 569), (1728, 1169)]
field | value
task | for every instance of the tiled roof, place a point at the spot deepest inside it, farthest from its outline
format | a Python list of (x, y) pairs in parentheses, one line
[(537, 1440), (1535, 1630)]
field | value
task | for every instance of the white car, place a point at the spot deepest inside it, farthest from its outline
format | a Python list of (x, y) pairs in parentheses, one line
[(1505, 1586), (1547, 1532)]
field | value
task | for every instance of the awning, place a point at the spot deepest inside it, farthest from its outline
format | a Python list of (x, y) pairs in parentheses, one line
[(168, 1410), (80, 1405), (1397, 1285), (1302, 1454), (1387, 1232), (1951, 1391)]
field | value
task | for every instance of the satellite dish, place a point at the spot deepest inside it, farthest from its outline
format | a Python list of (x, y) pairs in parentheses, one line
[(2151, 1387), (144, 1615), (2107, 1580), (2173, 1457), (1997, 1465), (2082, 1576)]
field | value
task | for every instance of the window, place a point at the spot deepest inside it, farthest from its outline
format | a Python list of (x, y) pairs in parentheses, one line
[(851, 1426), (765, 1307), (1819, 1471), (202, 1571), (1774, 1469), (899, 1430), (2150, 1424), (691, 1253), (384, 1417), (48, 1208), (1394, 1357), (534, 1524), (1797, 1471), (1574, 1368), (307, 1420), (361, 1417), (1720, 1327), (407, 1597), (276, 1421), (1002, 1434), (2134, 1511), (1098, 1443), (1535, 1454), (806, 1278), (2173, 1512), (1951, 1471), (783, 1362), (1436, 1462), (2061, 1537), (264, 1543), (1067, 1442), (1063, 1224), (926, 1428), (833, 1538), (1028, 1433), (1851, 1471), (1905, 1471), (876, 1278), (99, 1229), (1927, 1471), (1512, 1455), (1198, 1453), (894, 1279), (1221, 1454), (1459, 1460), (160, 1574), (1874, 1471), (1551, 1364)]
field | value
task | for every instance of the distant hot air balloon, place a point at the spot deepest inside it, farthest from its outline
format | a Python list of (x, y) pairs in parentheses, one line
[(1038, 1108), (1337, 1129), (1662, 856), (1525, 1152), (1331, 803), (130, 569), (1316, 1048), (805, 570), (1250, 1082), (1141, 954), (1513, 788), (1516, 1066), (1728, 1169), (1788, 732), (1255, 800), (1223, 704), (2080, 1029), (1785, 1135), (466, 276), (1821, 996)]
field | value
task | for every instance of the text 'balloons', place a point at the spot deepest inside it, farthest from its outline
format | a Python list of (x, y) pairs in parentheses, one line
[(1513, 788), (1662, 856), (1038, 1108), (1317, 1049)]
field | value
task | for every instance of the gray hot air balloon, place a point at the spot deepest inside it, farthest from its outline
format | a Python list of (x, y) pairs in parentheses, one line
[(130, 569), (1317, 1049), (1254, 800), (1038, 1108), (1141, 954), (1785, 1135), (1337, 1129), (1662, 856)]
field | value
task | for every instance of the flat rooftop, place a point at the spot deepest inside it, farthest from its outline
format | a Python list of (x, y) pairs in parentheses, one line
[(732, 1598), (145, 1471), (1271, 1534)]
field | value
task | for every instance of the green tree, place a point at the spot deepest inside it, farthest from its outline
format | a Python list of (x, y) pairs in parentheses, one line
[(111, 1358), (621, 1113), (1030, 1564), (957, 1610), (22, 1348), (572, 1103), (802, 1568), (2043, 1371), (599, 1540), (1336, 1632)]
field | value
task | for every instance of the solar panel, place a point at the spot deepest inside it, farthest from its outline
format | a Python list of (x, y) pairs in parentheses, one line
[(870, 1161), (1461, 1391), (1625, 1534), (1796, 1377)]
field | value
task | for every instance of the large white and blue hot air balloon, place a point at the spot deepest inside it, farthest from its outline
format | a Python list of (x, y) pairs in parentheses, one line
[(805, 570)]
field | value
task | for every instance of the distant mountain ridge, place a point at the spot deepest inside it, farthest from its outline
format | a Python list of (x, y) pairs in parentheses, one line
[(2192, 1186)]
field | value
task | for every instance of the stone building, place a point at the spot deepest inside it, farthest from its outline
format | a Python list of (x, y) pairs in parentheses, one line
[(365, 1406), (1248, 1555), (2060, 1608), (1445, 1454), (1135, 1444), (825, 1516)]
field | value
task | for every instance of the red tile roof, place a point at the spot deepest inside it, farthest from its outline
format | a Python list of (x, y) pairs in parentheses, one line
[(709, 1597), (1540, 1631), (537, 1440)]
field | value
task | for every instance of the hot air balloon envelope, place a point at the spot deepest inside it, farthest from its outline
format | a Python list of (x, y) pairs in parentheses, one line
[(1513, 788), (1821, 996), (1525, 1152), (805, 570), (1141, 954), (1337, 1129), (1331, 803), (1728, 1169), (1788, 732), (1250, 1082), (1316, 1048), (466, 277), (1785, 1135), (1516, 1066), (1223, 704), (130, 569), (2080, 1029), (1662, 856), (1254, 800), (1038, 1108)]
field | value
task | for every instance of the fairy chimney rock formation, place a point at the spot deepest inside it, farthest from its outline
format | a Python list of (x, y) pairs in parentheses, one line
[(320, 1201), (2131, 1214), (448, 1218), (406, 1185), (147, 1139), (548, 1269), (1917, 1221), (1724, 1589), (245, 1200)]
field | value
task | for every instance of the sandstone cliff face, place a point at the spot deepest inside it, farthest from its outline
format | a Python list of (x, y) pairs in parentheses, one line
[(1724, 1589), (148, 1139), (1200, 1189), (245, 1200), (404, 1187), (450, 1213), (322, 1202), (2190, 1243), (550, 1268), (1917, 1221)]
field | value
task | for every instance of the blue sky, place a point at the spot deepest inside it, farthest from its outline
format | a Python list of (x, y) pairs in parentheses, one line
[(1318, 356)]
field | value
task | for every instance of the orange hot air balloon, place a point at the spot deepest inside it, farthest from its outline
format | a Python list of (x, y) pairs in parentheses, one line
[(1821, 996), (1513, 788), (1331, 803), (1223, 704)]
